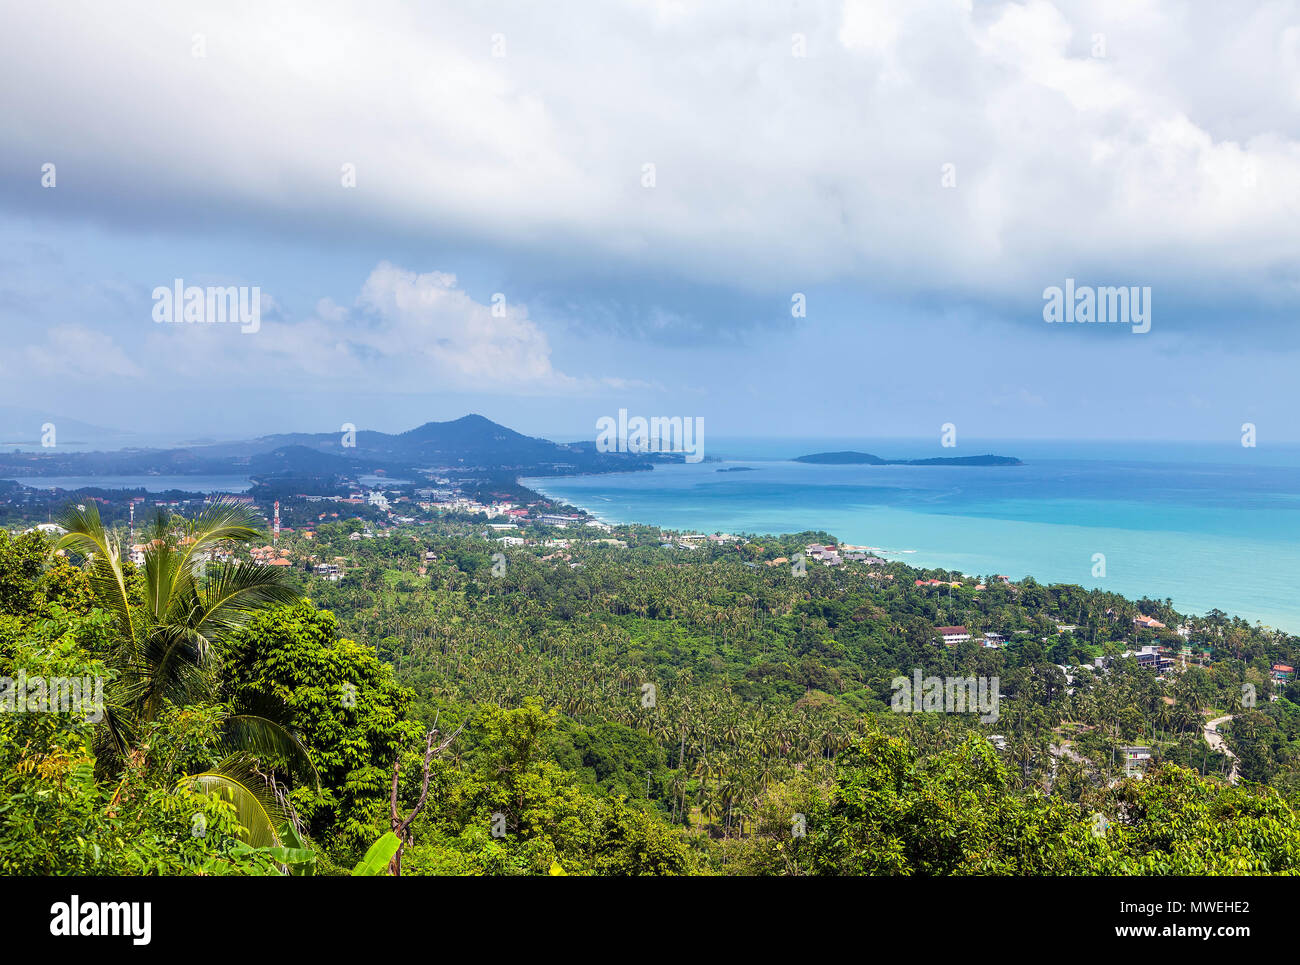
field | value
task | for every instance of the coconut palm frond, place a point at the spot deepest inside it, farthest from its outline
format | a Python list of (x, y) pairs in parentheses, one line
[(111, 742), (236, 593), (223, 521), (264, 738), (164, 576), (177, 666), (257, 809), (168, 646), (86, 536)]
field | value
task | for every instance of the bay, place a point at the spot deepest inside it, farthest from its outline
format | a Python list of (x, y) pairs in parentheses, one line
[(1205, 525)]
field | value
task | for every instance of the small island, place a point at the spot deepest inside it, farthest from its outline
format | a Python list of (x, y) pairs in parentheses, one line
[(850, 458), (737, 469)]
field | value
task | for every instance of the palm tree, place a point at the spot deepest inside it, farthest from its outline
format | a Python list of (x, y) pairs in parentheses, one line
[(168, 642)]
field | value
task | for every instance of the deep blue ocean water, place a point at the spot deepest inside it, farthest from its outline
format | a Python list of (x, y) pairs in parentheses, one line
[(1206, 525)]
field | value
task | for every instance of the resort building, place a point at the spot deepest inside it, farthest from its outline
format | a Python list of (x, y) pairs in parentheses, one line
[(1135, 758)]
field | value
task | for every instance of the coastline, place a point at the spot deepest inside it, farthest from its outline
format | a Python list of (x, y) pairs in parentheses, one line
[(973, 545)]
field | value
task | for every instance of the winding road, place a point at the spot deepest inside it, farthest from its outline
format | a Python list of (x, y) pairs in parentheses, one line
[(1216, 742)]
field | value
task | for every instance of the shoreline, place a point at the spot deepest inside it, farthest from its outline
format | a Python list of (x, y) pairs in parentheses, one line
[(1288, 624)]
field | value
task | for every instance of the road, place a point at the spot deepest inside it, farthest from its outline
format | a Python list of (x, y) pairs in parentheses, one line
[(1216, 742)]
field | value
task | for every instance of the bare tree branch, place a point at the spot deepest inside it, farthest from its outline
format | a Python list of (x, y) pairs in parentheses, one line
[(402, 826)]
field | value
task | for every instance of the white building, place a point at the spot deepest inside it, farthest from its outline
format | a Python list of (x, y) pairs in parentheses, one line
[(952, 636), (52, 529)]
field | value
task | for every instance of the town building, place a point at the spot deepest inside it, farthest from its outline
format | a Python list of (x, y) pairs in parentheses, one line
[(1135, 758)]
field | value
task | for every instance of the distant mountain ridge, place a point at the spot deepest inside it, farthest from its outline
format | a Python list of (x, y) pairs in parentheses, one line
[(25, 428), (470, 443), (471, 438)]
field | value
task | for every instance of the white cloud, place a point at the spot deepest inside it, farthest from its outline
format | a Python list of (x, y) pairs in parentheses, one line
[(78, 352), (406, 332), (457, 337), (1174, 159)]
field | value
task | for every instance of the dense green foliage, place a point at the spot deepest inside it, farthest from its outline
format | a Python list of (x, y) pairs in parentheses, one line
[(629, 709)]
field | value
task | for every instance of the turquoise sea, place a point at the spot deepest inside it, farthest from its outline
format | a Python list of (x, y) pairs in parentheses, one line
[(1206, 525)]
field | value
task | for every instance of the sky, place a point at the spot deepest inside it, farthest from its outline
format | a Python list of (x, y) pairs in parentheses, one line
[(787, 219)]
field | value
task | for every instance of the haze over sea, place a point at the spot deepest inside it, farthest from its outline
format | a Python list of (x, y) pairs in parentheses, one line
[(1206, 525)]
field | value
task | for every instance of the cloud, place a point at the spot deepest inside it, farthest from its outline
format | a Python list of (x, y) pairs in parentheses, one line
[(74, 351), (446, 329), (405, 332), (1089, 139)]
